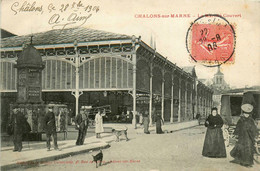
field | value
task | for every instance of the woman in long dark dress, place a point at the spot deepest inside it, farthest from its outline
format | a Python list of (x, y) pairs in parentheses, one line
[(158, 120), (146, 122), (214, 145), (246, 132)]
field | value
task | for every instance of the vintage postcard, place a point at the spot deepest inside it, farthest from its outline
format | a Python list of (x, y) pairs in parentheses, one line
[(130, 85)]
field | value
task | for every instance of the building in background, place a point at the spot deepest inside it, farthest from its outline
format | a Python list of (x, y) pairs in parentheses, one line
[(219, 82), (5, 34), (86, 67), (219, 87)]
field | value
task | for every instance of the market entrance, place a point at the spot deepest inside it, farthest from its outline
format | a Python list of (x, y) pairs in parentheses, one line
[(120, 103)]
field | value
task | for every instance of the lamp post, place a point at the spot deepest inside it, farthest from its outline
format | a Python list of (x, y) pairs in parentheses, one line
[(134, 48), (77, 93)]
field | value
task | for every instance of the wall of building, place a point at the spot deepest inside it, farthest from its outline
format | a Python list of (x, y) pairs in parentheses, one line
[(113, 73)]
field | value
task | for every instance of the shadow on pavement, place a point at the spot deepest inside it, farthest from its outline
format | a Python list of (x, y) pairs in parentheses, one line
[(106, 163), (106, 136)]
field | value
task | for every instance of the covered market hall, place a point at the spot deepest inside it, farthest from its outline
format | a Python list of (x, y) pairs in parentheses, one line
[(86, 67)]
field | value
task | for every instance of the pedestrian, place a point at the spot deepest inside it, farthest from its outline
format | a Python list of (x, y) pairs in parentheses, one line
[(153, 114), (146, 122), (159, 121), (51, 129), (82, 122), (140, 118), (99, 123), (130, 116), (214, 145), (198, 117), (17, 123), (246, 132), (226, 134)]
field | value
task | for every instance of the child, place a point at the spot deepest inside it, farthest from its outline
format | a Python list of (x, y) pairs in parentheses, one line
[(226, 134)]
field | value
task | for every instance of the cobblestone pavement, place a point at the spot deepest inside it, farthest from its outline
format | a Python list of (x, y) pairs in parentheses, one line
[(180, 150)]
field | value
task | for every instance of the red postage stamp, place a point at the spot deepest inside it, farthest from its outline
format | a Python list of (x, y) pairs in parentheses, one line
[(211, 40)]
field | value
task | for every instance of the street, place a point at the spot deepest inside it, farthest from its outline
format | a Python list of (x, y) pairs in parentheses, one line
[(179, 150)]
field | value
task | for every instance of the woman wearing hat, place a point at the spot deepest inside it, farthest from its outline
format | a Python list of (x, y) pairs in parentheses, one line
[(158, 119), (214, 145), (146, 122), (99, 123), (246, 133)]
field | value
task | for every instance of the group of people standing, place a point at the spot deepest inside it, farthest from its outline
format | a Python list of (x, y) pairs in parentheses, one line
[(82, 123), (145, 120), (18, 126), (246, 134)]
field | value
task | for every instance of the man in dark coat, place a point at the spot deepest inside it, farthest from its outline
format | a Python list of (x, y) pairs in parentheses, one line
[(17, 122), (51, 129), (82, 122), (247, 133)]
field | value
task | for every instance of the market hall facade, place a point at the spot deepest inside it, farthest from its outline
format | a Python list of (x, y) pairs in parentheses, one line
[(85, 67)]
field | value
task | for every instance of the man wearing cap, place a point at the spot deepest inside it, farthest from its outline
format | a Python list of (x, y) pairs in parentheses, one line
[(246, 132), (51, 129), (17, 121), (81, 122)]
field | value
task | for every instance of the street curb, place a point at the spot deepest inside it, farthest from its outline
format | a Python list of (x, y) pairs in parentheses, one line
[(172, 131), (37, 162)]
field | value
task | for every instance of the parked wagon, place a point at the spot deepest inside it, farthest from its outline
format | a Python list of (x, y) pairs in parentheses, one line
[(231, 105), (231, 108)]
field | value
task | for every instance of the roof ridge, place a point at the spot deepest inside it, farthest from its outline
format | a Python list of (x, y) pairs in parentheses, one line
[(67, 35), (72, 28)]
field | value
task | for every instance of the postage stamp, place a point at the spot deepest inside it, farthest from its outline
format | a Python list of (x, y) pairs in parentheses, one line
[(211, 40)]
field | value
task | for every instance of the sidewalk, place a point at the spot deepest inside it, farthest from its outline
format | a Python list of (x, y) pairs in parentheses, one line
[(35, 153), (167, 127)]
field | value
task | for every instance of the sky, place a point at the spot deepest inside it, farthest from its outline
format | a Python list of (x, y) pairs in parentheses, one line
[(121, 16)]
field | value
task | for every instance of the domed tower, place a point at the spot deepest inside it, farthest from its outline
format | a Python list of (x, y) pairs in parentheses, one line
[(29, 75), (219, 81)]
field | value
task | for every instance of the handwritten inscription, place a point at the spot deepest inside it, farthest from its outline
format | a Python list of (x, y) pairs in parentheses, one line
[(26, 7), (57, 21), (62, 15)]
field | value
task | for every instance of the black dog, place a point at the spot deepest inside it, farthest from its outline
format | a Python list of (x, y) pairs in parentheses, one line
[(98, 157)]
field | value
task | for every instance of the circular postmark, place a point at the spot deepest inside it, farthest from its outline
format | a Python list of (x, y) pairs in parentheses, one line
[(211, 40)]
